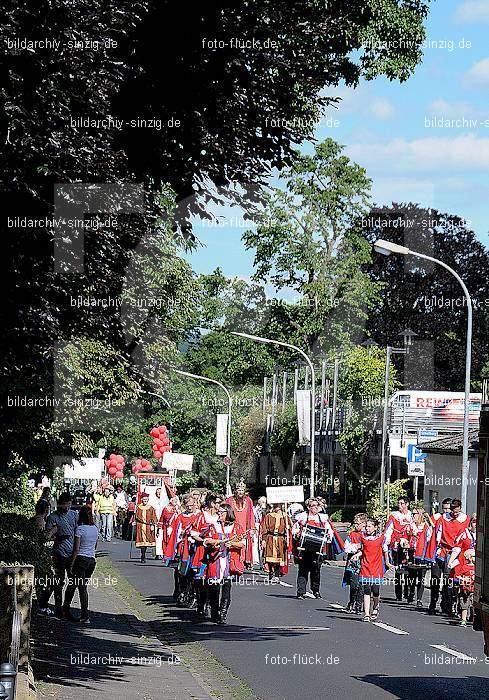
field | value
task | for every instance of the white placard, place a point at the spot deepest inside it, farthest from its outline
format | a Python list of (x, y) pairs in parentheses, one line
[(87, 468), (178, 460), (285, 494), (304, 416), (222, 434), (415, 468)]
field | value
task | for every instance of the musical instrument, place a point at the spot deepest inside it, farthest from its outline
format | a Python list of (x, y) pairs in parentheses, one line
[(314, 538), (237, 536)]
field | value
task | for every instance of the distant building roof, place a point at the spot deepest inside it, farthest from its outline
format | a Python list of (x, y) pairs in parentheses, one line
[(452, 444)]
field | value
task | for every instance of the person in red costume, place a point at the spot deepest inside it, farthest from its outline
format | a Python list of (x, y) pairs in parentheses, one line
[(448, 529), (242, 506), (397, 534)]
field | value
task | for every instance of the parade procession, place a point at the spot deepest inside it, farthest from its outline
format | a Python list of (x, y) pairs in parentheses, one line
[(245, 368)]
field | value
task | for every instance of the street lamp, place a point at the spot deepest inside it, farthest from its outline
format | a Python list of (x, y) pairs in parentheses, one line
[(386, 248), (407, 335), (159, 396), (230, 402), (259, 339)]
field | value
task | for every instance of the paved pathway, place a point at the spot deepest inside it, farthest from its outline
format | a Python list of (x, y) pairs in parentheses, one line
[(116, 657)]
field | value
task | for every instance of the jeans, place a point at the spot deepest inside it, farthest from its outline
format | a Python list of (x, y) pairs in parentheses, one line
[(83, 568), (356, 591), (107, 526), (56, 583), (308, 566)]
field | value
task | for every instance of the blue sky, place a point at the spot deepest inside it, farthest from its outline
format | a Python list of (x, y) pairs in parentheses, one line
[(387, 128)]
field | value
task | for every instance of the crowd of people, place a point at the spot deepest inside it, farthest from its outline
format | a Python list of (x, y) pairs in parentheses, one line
[(210, 541)]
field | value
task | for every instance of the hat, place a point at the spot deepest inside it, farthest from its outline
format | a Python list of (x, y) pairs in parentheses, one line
[(145, 495)]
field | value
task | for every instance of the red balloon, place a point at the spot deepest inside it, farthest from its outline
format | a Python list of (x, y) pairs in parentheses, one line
[(165, 440), (119, 475), (163, 429), (154, 432), (120, 459), (149, 468), (112, 471), (158, 454), (112, 456)]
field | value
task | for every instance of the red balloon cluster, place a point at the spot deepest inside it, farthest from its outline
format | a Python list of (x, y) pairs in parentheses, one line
[(115, 466), (141, 465), (161, 441)]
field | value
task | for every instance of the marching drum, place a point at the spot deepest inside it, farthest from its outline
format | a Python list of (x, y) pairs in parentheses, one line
[(314, 539)]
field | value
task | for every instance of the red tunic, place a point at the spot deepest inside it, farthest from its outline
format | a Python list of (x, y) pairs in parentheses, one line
[(168, 524), (448, 529), (398, 527), (245, 517), (421, 542), (201, 527), (464, 573), (466, 540), (372, 567), (223, 562)]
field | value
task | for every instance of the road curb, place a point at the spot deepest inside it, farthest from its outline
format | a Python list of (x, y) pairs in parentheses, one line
[(209, 673)]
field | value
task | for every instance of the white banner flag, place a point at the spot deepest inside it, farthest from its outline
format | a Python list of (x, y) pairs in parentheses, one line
[(304, 416), (222, 434)]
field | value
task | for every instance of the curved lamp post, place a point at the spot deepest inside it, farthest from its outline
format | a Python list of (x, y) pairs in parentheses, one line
[(259, 339), (230, 403), (386, 248)]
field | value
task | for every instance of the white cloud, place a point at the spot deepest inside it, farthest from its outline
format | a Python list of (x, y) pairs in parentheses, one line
[(478, 74), (428, 155), (381, 108), (472, 11), (451, 110)]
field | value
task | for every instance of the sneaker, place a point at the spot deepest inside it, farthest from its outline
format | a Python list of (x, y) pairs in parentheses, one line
[(375, 613), (431, 611), (301, 597), (419, 604), (84, 621), (366, 618), (317, 595), (45, 611), (463, 623)]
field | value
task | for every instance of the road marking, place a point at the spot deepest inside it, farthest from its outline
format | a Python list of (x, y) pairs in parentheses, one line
[(395, 630), (337, 606), (453, 652), (285, 584)]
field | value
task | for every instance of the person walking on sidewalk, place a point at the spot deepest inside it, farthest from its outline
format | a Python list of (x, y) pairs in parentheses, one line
[(107, 509), (82, 564), (65, 520)]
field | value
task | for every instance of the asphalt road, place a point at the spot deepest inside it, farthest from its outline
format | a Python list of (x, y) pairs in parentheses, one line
[(285, 648)]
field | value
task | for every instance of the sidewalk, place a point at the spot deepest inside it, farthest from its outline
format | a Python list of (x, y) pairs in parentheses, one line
[(116, 656)]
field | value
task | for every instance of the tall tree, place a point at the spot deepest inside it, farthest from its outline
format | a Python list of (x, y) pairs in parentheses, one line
[(310, 250), (426, 298)]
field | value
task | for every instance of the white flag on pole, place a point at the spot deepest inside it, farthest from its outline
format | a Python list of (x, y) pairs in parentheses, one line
[(304, 416), (222, 434)]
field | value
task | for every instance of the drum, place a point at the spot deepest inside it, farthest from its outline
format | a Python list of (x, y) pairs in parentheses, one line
[(313, 539)]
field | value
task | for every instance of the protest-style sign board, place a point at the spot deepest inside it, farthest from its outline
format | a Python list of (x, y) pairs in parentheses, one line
[(285, 494), (178, 461)]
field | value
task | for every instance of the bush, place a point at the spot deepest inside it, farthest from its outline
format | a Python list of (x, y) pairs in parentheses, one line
[(396, 490), (21, 543), (337, 516)]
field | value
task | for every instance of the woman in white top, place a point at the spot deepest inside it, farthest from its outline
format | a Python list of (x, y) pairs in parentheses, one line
[(82, 564)]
